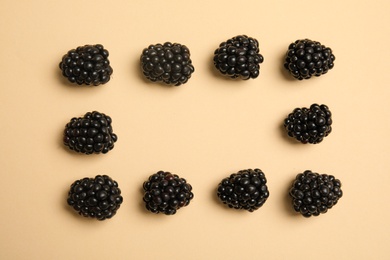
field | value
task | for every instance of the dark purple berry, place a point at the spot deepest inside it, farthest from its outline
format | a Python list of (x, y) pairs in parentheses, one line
[(307, 58), (309, 125), (90, 134), (246, 189), (313, 193), (168, 63), (98, 197), (87, 65), (166, 193), (239, 57)]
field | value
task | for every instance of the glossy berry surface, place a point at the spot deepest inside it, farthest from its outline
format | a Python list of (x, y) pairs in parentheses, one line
[(239, 57), (307, 58), (169, 63), (88, 65), (246, 189), (313, 194), (90, 134), (309, 125), (166, 193), (98, 197)]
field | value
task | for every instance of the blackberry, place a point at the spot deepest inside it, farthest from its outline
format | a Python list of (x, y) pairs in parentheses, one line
[(166, 192), (98, 197), (89, 134), (246, 189), (309, 125), (87, 65), (313, 194), (239, 57), (168, 63), (307, 58)]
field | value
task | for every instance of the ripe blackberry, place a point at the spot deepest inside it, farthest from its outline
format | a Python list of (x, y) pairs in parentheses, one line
[(87, 65), (168, 63), (313, 193), (166, 192), (89, 134), (309, 125), (239, 57), (246, 189), (307, 58), (98, 197)]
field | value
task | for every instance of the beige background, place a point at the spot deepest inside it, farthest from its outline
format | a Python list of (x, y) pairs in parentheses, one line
[(203, 130)]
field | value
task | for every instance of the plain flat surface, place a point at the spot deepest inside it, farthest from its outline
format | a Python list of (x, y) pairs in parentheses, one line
[(202, 131)]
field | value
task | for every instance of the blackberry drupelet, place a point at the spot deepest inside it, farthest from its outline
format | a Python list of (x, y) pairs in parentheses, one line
[(87, 65), (166, 192), (239, 57), (89, 134), (168, 63), (246, 189), (307, 58), (313, 194), (98, 197), (309, 125)]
